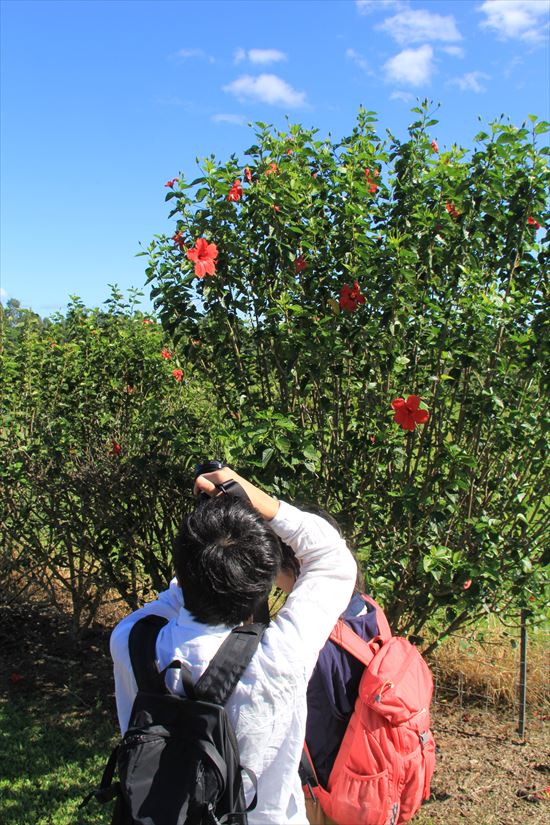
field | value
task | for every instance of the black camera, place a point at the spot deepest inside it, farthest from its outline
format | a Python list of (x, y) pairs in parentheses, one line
[(208, 467), (228, 488)]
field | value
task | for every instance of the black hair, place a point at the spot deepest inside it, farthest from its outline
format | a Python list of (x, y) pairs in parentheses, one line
[(226, 559)]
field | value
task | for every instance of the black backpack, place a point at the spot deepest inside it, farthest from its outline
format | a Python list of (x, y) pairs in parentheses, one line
[(178, 762)]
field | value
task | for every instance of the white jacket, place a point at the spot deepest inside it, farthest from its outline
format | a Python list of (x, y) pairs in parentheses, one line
[(268, 707)]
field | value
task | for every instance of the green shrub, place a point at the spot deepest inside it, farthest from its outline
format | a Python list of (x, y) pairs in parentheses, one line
[(347, 275), (99, 432)]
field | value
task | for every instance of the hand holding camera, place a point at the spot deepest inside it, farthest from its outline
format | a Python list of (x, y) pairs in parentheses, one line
[(212, 478)]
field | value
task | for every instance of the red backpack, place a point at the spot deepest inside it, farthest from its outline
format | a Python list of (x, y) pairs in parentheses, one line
[(386, 760)]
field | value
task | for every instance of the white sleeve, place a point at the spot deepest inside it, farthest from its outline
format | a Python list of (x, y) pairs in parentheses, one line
[(323, 588)]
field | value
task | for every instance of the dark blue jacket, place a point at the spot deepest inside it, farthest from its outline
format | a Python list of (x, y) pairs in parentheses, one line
[(333, 689)]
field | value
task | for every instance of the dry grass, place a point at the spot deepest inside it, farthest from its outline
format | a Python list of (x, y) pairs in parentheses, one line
[(483, 663)]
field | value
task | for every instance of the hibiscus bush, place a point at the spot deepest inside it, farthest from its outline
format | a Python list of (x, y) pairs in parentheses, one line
[(369, 315), (99, 424)]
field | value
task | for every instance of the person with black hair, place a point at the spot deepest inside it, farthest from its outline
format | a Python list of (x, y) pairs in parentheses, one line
[(227, 556)]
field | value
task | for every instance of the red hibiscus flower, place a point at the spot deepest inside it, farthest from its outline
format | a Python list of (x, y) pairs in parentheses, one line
[(435, 147), (178, 239), (116, 449), (166, 354), (204, 256), (248, 174), (275, 207), (236, 191), (372, 186), (130, 390), (452, 210), (350, 297), (170, 183), (15, 677), (408, 414), (147, 322), (289, 151), (300, 264), (178, 374), (271, 169), (532, 222), (467, 584)]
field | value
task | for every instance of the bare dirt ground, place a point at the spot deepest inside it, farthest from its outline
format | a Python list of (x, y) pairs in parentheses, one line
[(484, 775)]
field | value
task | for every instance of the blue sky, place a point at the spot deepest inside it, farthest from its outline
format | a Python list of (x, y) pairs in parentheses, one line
[(103, 101)]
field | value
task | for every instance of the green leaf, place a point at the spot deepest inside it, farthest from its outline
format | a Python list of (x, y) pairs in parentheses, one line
[(282, 443)]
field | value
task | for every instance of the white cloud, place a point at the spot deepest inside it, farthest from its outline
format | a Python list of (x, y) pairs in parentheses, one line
[(358, 59), (419, 26), (3, 294), (525, 20), (470, 82), (368, 6), (509, 68), (411, 66), (267, 88), (196, 54), (406, 97), (264, 56), (235, 120), (454, 51), (259, 57)]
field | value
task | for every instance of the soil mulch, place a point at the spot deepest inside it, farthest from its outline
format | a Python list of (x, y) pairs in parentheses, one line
[(484, 774)]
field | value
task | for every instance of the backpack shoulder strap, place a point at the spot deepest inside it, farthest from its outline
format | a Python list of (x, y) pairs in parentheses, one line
[(384, 630), (142, 643), (228, 665), (346, 638)]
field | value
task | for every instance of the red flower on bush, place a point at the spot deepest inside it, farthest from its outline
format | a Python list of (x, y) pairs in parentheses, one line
[(178, 239), (452, 210), (248, 174), (289, 151), (147, 322), (467, 584), (204, 256), (372, 186), (435, 147), (408, 414), (350, 297), (532, 222), (166, 354), (275, 207), (170, 183), (271, 169), (116, 449), (300, 264), (130, 390), (236, 191), (178, 374)]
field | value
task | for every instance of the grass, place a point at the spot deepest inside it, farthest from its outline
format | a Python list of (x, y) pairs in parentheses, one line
[(50, 761), (486, 660)]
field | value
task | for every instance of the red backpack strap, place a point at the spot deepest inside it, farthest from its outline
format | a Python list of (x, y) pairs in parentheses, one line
[(346, 638), (384, 630)]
